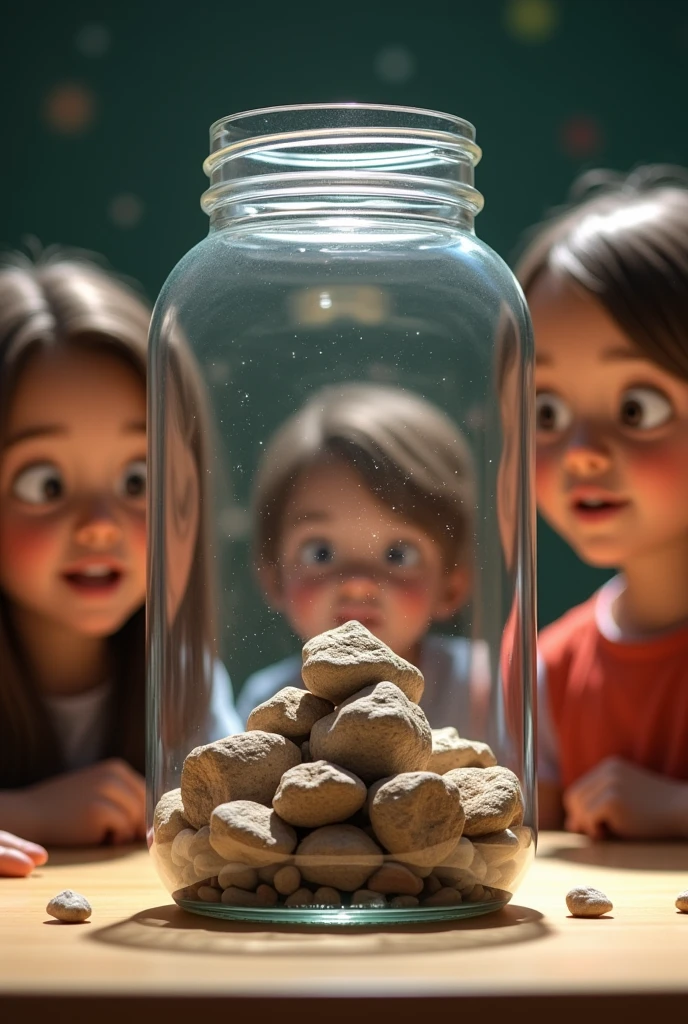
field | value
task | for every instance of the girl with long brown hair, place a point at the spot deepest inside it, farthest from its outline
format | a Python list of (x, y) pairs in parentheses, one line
[(607, 285), (73, 347)]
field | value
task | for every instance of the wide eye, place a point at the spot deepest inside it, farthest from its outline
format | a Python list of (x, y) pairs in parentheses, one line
[(552, 414), (403, 554), (40, 484), (645, 408), (316, 552), (133, 480)]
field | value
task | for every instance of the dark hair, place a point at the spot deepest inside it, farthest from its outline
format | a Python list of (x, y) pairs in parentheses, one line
[(625, 241), (410, 454)]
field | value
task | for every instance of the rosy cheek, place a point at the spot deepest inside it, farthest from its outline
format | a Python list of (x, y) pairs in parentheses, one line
[(138, 541), (300, 596), (410, 598), (27, 545), (545, 475), (661, 472)]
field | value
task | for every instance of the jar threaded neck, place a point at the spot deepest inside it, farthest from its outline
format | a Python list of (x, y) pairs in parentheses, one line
[(333, 159)]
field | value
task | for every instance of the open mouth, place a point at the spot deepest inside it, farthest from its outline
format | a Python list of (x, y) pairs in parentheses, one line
[(94, 579), (593, 509), (368, 617)]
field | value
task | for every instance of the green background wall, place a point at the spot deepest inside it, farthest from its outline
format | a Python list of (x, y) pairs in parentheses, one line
[(105, 110)]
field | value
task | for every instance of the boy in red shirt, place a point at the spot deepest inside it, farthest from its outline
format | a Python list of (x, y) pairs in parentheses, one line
[(607, 284)]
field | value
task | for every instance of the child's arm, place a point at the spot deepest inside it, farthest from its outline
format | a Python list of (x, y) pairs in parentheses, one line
[(620, 798), (104, 802), (550, 806), (18, 857)]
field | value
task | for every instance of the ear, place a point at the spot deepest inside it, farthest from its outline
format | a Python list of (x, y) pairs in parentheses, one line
[(271, 585), (455, 588)]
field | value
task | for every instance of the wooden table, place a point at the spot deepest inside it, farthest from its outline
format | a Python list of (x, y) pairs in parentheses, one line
[(140, 957)]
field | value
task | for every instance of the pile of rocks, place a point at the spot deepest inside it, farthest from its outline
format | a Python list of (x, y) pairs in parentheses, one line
[(341, 794)]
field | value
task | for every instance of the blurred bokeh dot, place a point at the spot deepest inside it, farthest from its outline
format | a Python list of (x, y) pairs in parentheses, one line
[(581, 136), (531, 21), (69, 108), (93, 40), (125, 210), (395, 64)]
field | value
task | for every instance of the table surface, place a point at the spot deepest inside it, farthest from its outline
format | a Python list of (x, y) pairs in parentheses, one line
[(139, 943)]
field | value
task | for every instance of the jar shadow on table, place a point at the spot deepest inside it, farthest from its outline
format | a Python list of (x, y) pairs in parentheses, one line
[(623, 854), (170, 928)]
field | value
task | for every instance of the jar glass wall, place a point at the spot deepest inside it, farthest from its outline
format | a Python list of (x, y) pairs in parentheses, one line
[(340, 394)]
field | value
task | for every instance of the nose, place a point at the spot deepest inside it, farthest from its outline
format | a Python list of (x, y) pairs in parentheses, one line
[(586, 461), (586, 456), (99, 531), (358, 586)]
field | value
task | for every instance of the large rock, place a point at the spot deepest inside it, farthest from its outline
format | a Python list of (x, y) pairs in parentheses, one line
[(247, 766), (376, 733), (341, 856), (245, 832), (417, 816), (450, 751), (318, 793), (291, 712), (169, 817), (491, 798), (338, 663)]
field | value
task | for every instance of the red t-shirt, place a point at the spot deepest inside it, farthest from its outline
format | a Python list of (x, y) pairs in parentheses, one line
[(611, 698)]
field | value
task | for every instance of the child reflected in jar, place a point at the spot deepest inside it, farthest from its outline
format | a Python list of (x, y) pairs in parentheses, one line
[(363, 509)]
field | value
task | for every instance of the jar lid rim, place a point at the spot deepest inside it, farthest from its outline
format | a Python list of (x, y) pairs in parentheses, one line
[(465, 127)]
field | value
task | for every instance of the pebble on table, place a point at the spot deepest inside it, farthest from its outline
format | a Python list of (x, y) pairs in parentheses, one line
[(70, 907)]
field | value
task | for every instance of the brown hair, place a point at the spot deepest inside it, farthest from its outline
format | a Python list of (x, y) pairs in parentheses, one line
[(410, 454), (625, 241), (67, 299)]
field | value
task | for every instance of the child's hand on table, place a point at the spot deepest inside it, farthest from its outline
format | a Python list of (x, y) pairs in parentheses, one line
[(620, 799), (103, 802), (19, 857)]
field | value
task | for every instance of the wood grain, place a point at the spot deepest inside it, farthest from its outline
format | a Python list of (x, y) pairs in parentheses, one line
[(139, 947)]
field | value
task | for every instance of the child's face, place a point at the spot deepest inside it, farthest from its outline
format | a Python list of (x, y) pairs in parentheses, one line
[(345, 555), (72, 491), (612, 433)]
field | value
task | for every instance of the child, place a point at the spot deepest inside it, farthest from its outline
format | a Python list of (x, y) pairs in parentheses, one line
[(364, 510), (607, 284), (73, 342)]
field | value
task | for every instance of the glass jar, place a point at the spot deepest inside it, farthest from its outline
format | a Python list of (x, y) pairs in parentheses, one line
[(340, 440)]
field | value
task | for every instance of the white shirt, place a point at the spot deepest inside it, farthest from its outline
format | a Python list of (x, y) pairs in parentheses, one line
[(80, 720)]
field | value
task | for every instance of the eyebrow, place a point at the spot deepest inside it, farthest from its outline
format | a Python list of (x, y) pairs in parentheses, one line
[(306, 517), (608, 355), (57, 430)]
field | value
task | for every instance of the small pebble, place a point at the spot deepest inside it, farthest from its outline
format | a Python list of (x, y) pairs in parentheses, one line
[(327, 896), (208, 894), (368, 898), (267, 895), (287, 880), (69, 906), (240, 875), (401, 902), (431, 886), (682, 902), (233, 896), (446, 897), (586, 902), (300, 898)]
